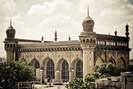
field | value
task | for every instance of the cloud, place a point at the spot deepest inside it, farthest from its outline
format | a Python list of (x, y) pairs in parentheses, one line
[(111, 13), (62, 23), (49, 8), (7, 7), (58, 21)]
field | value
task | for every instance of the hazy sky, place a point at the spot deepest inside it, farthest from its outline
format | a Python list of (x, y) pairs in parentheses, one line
[(34, 18)]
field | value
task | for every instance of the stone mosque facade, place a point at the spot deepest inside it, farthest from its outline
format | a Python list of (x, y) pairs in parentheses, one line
[(64, 60)]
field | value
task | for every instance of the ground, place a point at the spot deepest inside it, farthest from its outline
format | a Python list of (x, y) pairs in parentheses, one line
[(38, 86)]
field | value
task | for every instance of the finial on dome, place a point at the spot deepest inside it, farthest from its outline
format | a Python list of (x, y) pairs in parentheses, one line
[(10, 22), (88, 10)]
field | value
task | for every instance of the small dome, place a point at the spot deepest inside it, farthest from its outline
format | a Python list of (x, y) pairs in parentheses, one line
[(88, 24), (10, 32)]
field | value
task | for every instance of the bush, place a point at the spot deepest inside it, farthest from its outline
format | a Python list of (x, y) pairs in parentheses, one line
[(75, 84)]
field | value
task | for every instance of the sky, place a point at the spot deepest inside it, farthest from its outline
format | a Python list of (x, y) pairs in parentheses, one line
[(33, 19)]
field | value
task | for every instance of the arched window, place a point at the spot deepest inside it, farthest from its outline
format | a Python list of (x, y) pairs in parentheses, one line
[(65, 72), (50, 69), (83, 40), (112, 61), (87, 40), (121, 63), (79, 69), (90, 40), (35, 63)]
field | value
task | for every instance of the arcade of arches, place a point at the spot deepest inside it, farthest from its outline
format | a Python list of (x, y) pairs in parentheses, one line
[(62, 71)]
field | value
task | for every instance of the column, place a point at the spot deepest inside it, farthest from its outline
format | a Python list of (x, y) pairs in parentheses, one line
[(57, 76)]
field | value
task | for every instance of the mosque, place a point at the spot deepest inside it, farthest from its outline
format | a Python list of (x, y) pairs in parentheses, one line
[(64, 60)]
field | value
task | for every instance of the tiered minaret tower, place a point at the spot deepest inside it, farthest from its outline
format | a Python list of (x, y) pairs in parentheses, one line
[(11, 43), (88, 44)]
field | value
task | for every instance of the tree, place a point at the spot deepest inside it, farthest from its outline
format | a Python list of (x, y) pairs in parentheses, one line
[(109, 69), (13, 72)]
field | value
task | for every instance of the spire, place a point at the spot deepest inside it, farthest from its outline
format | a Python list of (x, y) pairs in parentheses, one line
[(69, 38), (88, 11), (55, 34), (127, 30), (10, 22), (115, 33), (42, 39)]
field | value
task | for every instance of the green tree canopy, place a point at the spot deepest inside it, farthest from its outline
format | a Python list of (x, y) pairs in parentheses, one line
[(75, 84), (109, 69), (13, 72)]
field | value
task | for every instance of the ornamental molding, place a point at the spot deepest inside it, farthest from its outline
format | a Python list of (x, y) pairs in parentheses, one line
[(49, 49)]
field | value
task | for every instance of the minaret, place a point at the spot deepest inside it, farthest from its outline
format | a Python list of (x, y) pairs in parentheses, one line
[(11, 43), (127, 30), (55, 34), (127, 34), (88, 43)]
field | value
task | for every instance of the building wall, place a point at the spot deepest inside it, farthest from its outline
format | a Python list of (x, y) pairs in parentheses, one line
[(57, 56)]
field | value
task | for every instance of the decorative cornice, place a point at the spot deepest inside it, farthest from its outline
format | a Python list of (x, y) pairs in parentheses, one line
[(50, 49)]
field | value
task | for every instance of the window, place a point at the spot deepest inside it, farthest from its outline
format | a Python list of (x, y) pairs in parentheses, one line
[(50, 69), (35, 63), (65, 72), (79, 69)]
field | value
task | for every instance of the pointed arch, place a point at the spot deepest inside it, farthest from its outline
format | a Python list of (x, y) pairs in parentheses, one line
[(121, 63), (79, 69), (64, 70), (87, 40), (112, 61), (50, 69), (99, 61), (34, 62), (24, 59)]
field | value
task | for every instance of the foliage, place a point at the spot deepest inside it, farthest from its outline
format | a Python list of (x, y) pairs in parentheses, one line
[(85, 85), (104, 70), (92, 77), (109, 69), (78, 83), (75, 84), (13, 72)]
